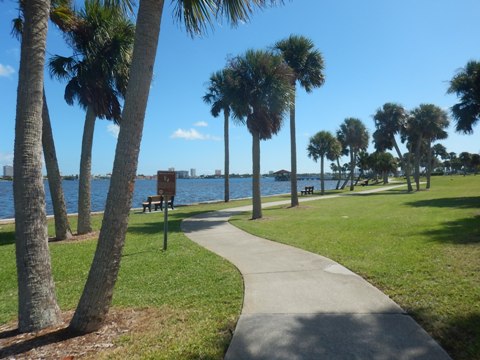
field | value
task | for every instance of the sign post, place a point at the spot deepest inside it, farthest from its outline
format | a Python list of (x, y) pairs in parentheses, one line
[(166, 186)]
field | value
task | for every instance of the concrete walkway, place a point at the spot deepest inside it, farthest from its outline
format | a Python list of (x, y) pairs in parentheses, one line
[(299, 305)]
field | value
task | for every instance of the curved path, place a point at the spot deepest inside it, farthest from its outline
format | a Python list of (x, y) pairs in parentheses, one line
[(299, 305)]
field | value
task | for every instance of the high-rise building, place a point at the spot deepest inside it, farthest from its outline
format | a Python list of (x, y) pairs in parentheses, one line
[(218, 172), (193, 173), (182, 174), (171, 169), (8, 171)]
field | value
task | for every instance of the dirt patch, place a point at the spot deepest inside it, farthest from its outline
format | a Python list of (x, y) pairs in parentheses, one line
[(59, 343), (76, 237)]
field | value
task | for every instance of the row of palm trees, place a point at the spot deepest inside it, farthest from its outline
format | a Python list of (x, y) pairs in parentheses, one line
[(37, 301), (257, 88), (418, 129)]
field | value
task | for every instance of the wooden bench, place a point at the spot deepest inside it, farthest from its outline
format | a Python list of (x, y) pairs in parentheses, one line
[(307, 190), (157, 202), (365, 182)]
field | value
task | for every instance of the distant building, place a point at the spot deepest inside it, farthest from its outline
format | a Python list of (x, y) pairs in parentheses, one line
[(182, 174), (8, 171), (282, 175), (171, 169), (193, 173), (218, 172)]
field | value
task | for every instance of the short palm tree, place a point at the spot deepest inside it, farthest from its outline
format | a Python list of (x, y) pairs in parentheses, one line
[(354, 136), (262, 96), (97, 75), (389, 121), (426, 124), (307, 66), (218, 96), (466, 85), (196, 15), (323, 145)]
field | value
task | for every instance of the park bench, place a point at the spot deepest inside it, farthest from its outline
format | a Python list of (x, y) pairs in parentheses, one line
[(157, 202), (364, 182), (307, 190)]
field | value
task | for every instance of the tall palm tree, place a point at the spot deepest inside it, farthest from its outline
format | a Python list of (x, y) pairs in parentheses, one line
[(62, 16), (389, 120), (218, 95), (37, 305), (307, 65), (354, 136), (262, 96), (466, 85), (97, 75), (97, 294), (323, 145), (426, 124)]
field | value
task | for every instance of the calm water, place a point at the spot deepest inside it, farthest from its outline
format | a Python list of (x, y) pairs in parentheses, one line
[(189, 191)]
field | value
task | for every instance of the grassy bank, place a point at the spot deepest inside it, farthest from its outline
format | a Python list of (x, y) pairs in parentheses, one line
[(422, 249), (192, 298)]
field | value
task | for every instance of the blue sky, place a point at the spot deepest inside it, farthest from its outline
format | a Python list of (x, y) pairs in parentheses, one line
[(375, 51)]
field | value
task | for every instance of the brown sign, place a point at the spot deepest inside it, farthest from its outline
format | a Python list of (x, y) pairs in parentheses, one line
[(166, 183)]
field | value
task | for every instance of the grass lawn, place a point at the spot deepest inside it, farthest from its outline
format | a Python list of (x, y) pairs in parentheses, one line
[(421, 249), (192, 297)]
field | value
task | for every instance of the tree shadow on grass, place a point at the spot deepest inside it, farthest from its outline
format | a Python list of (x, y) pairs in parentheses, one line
[(7, 238), (463, 231), (459, 334), (472, 202)]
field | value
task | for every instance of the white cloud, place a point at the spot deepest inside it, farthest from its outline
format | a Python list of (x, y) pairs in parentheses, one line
[(201, 124), (6, 70), (113, 130), (192, 134)]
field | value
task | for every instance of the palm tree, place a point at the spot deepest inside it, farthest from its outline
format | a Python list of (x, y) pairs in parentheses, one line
[(466, 85), (217, 95), (62, 16), (307, 65), (354, 136), (425, 125), (37, 305), (62, 226), (323, 145), (97, 295), (97, 75), (389, 120), (262, 95), (384, 163)]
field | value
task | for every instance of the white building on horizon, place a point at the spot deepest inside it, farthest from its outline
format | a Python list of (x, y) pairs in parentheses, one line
[(8, 170), (193, 173), (218, 172)]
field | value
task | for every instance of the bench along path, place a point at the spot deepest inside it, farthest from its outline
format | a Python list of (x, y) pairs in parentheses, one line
[(299, 305)]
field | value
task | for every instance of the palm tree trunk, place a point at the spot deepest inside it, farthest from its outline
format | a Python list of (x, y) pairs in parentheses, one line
[(429, 163), (293, 153), (84, 179), (353, 156), (322, 176), (37, 304), (62, 227), (417, 163), (227, 155), (405, 165), (339, 174), (97, 294), (256, 196)]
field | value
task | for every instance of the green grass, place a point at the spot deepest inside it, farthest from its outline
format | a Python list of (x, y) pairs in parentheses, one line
[(193, 296), (422, 249)]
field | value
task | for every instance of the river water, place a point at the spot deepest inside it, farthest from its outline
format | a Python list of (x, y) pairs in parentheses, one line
[(189, 191)]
